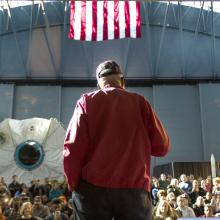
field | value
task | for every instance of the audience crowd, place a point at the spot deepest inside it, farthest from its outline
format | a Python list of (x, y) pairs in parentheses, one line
[(50, 200), (185, 197)]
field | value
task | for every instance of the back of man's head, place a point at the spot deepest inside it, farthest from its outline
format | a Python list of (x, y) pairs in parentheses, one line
[(108, 73)]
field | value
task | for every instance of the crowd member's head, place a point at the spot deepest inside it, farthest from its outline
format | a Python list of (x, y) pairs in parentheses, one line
[(26, 210), (163, 177), (156, 183), (16, 203), (171, 198), (45, 199), (183, 178), (15, 179), (169, 178), (191, 177), (161, 194), (56, 205), (37, 201), (174, 182), (186, 199), (195, 184), (208, 197), (24, 199), (199, 201), (208, 210), (109, 74), (180, 201), (165, 211), (216, 186)]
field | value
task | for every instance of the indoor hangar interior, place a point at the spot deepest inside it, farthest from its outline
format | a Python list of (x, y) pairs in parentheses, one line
[(174, 65)]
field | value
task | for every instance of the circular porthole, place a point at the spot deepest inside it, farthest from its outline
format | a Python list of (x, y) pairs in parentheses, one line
[(29, 155)]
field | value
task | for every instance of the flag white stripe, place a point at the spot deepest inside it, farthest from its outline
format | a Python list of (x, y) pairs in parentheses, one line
[(89, 20), (132, 9), (77, 23), (122, 19), (111, 34), (100, 20)]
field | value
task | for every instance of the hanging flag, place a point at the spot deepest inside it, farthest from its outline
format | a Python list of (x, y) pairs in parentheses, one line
[(104, 20)]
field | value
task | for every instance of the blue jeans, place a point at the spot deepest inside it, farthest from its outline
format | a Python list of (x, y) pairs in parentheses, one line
[(100, 203)]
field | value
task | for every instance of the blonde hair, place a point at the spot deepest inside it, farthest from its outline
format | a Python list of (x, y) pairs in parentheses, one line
[(24, 206), (171, 214), (216, 180), (161, 193)]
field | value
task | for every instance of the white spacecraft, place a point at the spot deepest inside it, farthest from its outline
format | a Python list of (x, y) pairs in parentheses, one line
[(31, 148)]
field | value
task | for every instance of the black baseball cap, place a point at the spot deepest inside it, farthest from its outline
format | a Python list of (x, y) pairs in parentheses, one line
[(106, 68)]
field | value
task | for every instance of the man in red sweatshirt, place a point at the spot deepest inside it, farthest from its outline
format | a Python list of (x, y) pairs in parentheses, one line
[(107, 150)]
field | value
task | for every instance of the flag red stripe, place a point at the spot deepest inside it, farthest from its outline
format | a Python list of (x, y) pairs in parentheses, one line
[(72, 13), (94, 20), (138, 20), (127, 19), (105, 19), (83, 21), (116, 19)]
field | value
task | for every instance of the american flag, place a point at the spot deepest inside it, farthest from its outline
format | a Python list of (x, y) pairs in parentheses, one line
[(104, 20)]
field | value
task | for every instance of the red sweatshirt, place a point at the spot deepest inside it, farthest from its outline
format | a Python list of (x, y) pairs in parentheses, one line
[(110, 140)]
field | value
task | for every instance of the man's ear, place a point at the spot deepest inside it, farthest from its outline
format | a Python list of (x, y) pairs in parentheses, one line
[(122, 82)]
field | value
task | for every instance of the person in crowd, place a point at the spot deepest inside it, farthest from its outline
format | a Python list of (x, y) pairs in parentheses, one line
[(2, 217), (198, 207), (45, 199), (56, 211), (39, 209), (187, 200), (2, 181), (216, 186), (171, 198), (161, 194), (47, 186), (164, 211), (4, 190), (208, 184), (163, 183), (26, 212), (169, 178), (191, 178), (64, 187), (55, 191), (196, 191), (208, 198), (185, 184), (208, 211), (24, 192), (39, 188), (108, 146), (14, 186), (154, 190), (182, 208), (216, 203), (14, 212), (174, 187), (4, 202)]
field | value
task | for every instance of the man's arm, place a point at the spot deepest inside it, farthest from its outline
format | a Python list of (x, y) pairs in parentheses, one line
[(160, 143), (76, 145)]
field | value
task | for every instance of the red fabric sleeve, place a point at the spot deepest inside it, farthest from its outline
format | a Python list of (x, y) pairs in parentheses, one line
[(160, 143), (76, 145)]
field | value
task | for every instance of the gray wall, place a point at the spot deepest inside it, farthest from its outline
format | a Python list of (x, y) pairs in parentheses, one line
[(190, 113), (177, 42)]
